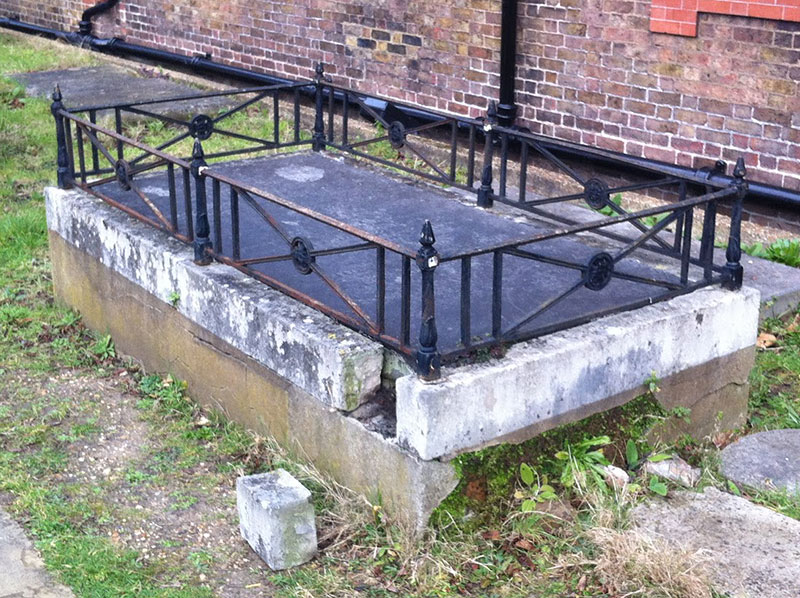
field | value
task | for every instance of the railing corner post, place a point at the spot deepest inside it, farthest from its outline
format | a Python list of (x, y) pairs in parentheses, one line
[(733, 268), (64, 175), (485, 191), (318, 137), (428, 357), (202, 230)]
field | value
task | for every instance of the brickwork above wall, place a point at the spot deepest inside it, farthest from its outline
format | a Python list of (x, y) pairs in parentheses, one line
[(588, 70)]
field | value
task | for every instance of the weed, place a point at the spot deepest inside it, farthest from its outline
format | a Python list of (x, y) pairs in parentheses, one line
[(581, 463), (104, 348), (783, 251), (174, 299)]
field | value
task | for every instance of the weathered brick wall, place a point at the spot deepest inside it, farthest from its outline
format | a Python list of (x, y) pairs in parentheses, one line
[(589, 70)]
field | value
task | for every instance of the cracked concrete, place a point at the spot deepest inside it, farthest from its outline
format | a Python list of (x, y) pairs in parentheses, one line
[(22, 572)]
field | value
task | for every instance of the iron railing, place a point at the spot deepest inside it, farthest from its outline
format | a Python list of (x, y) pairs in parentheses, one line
[(489, 162)]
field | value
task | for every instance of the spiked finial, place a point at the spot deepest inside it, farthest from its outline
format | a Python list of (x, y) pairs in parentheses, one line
[(491, 112), (197, 150), (740, 170), (319, 70), (426, 237), (56, 93)]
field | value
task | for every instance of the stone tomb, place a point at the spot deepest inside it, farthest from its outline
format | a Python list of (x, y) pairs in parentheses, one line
[(284, 369)]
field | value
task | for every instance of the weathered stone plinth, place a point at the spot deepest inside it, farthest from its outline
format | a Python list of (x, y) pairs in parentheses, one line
[(283, 369)]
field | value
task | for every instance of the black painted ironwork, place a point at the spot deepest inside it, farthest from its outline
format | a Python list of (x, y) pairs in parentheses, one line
[(428, 358), (445, 149)]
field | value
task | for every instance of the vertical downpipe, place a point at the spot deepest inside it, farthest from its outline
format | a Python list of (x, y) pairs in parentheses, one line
[(63, 172), (507, 109), (428, 357), (202, 243)]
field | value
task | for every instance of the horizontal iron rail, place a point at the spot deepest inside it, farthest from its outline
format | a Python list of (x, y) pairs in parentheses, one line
[(591, 226)]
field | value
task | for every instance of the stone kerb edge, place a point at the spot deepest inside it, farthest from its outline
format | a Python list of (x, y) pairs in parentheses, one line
[(332, 363), (566, 371)]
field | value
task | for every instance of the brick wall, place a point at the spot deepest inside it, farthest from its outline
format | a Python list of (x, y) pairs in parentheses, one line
[(588, 70)]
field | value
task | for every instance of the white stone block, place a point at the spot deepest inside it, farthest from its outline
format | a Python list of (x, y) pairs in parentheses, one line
[(276, 518)]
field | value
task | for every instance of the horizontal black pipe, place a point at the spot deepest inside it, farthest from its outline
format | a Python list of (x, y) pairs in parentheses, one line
[(763, 193)]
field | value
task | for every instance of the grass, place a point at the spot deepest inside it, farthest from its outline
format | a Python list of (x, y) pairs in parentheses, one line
[(65, 389)]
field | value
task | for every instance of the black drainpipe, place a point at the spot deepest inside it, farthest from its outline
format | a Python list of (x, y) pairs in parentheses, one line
[(507, 109), (85, 25)]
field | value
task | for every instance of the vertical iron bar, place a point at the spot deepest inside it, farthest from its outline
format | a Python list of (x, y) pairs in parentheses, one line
[(453, 149), (95, 155), (523, 170), (173, 197), (466, 304), (118, 128), (236, 249), (81, 157), (680, 220), (276, 119), (64, 180), (201, 241), (215, 202), (503, 163), (187, 202), (733, 254), (331, 111), (497, 294), (318, 137), (70, 149), (345, 117), (428, 357), (471, 158), (296, 115), (380, 299), (686, 245), (405, 302), (707, 243)]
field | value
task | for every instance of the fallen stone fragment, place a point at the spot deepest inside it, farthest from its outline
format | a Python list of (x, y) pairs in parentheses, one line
[(276, 518), (675, 470), (615, 477), (754, 552), (765, 460)]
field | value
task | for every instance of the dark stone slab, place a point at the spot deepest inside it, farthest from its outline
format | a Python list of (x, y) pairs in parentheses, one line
[(108, 84), (395, 210), (765, 460)]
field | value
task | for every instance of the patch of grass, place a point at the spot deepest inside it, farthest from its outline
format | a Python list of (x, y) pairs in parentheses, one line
[(19, 54)]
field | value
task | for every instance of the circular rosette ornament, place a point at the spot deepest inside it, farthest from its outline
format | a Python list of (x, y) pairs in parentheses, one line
[(302, 257), (599, 271)]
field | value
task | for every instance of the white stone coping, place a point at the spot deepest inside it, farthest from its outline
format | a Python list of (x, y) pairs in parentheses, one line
[(545, 378), (334, 364)]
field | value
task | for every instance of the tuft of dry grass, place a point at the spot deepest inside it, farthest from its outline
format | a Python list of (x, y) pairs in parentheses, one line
[(631, 564)]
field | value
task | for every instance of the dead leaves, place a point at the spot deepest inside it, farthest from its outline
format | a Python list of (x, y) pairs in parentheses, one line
[(766, 340)]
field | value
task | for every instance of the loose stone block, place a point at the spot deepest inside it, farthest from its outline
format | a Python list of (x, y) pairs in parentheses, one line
[(766, 460), (276, 518)]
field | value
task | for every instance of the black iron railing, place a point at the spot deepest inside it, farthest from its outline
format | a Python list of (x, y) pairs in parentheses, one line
[(479, 157)]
